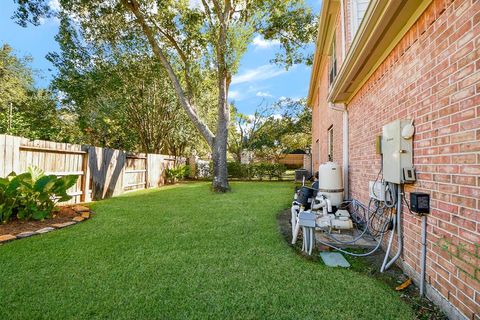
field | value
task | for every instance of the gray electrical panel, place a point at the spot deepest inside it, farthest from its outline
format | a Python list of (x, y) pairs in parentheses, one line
[(397, 153)]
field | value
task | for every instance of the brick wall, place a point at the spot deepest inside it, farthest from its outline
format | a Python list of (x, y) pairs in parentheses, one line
[(324, 118), (432, 76)]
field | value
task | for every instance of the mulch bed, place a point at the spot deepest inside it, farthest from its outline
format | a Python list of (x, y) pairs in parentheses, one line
[(65, 216), (17, 226)]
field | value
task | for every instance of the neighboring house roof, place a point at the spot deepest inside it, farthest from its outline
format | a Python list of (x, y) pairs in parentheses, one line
[(383, 26)]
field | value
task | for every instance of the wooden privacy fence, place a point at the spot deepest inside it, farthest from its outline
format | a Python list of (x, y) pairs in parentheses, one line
[(293, 160), (102, 172)]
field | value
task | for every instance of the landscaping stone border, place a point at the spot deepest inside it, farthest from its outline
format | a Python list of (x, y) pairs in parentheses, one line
[(84, 214)]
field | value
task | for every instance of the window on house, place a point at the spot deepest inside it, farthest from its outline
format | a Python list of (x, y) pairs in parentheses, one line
[(359, 7), (333, 63), (330, 143)]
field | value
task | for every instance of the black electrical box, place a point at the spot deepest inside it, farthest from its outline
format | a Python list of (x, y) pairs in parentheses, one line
[(420, 202)]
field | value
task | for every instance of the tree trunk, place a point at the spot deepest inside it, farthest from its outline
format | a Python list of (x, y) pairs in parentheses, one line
[(218, 143), (219, 150)]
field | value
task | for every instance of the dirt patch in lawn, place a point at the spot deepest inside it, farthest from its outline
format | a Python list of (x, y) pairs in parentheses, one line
[(63, 215), (370, 265)]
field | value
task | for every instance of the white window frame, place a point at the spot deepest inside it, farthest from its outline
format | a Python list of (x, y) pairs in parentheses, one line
[(330, 143), (333, 67), (354, 21)]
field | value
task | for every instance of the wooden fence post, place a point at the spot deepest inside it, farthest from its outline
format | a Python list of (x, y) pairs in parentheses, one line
[(84, 196)]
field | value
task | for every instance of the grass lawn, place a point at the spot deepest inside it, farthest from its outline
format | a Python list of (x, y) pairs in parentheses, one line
[(183, 252)]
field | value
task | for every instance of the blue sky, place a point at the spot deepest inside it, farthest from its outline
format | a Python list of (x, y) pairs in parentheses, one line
[(256, 80)]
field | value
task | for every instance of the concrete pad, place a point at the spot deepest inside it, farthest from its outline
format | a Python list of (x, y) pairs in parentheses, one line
[(334, 259), (347, 237)]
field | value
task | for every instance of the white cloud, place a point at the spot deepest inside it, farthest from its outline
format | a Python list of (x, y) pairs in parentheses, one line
[(261, 43), (264, 72), (263, 94), (54, 5), (233, 94), (195, 4)]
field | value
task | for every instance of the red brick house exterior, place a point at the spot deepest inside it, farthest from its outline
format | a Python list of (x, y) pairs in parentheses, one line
[(409, 60)]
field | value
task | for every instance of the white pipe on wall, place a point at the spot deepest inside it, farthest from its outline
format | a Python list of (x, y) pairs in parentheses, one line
[(345, 153), (343, 108)]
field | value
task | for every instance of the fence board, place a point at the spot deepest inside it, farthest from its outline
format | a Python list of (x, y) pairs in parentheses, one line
[(102, 172), (3, 150), (8, 154), (292, 160)]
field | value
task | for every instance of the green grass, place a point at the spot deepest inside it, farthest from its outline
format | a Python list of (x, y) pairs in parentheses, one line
[(182, 252)]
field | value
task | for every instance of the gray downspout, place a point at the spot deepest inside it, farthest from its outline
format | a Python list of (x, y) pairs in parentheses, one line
[(424, 256)]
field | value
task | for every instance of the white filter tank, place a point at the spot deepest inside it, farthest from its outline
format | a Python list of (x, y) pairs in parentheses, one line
[(330, 182)]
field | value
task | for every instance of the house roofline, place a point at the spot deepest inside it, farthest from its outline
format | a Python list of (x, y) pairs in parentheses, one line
[(384, 25), (326, 28)]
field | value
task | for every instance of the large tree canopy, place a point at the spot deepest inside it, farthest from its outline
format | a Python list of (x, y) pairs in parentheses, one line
[(123, 101), (192, 40), (272, 131), (28, 111)]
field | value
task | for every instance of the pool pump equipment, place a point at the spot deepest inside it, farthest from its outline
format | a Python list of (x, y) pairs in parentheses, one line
[(322, 207), (319, 208)]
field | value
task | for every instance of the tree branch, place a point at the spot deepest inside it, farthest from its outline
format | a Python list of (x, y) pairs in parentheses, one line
[(191, 111)]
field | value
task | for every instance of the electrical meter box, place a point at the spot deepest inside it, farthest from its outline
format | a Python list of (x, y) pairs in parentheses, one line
[(397, 153)]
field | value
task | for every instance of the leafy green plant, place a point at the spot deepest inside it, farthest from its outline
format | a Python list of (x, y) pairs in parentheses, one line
[(177, 173), (8, 196), (239, 170), (259, 170), (279, 170), (32, 195)]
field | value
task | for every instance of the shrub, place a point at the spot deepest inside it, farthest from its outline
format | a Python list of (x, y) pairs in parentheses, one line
[(275, 170), (204, 169), (261, 170), (32, 195), (240, 170), (258, 170), (234, 169), (177, 173)]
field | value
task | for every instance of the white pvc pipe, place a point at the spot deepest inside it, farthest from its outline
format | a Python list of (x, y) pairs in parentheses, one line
[(295, 232), (293, 220), (304, 240), (345, 153), (389, 247), (345, 157), (329, 205), (399, 228), (312, 235)]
